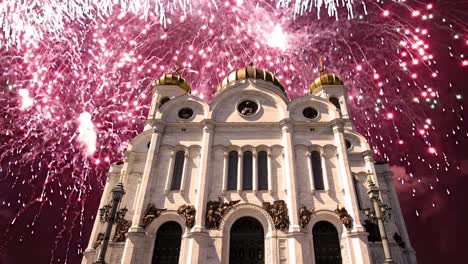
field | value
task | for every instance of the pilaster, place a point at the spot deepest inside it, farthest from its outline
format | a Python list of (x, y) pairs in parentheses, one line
[(136, 233), (357, 235), (197, 236)]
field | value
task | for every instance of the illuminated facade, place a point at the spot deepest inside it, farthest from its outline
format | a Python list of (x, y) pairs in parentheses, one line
[(251, 177)]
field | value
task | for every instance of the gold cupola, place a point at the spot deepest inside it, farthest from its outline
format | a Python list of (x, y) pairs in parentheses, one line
[(324, 79), (174, 79), (249, 72)]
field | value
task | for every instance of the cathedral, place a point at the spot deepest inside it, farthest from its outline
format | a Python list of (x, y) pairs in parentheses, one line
[(251, 177)]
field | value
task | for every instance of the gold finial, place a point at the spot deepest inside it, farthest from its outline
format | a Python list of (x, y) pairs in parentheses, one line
[(321, 68)]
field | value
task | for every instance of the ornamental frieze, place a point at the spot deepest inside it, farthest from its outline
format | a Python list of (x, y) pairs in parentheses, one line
[(188, 212), (216, 211), (345, 217), (279, 212), (150, 214), (304, 216)]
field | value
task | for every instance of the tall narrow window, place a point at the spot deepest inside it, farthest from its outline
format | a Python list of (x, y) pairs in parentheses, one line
[(335, 102), (247, 171), (178, 169), (232, 171), (317, 170), (357, 189), (262, 170)]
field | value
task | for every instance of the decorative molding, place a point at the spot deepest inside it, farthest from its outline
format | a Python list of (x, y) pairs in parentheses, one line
[(247, 206), (304, 216), (121, 230), (188, 212), (215, 212), (279, 212), (150, 214), (344, 216)]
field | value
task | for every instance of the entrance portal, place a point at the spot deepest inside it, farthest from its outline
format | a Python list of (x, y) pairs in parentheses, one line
[(167, 246), (246, 245), (326, 243)]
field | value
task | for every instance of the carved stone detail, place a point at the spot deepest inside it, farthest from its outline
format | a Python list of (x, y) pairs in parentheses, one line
[(216, 211), (279, 212), (249, 206), (304, 216), (99, 239), (188, 212), (345, 218), (150, 214), (121, 230)]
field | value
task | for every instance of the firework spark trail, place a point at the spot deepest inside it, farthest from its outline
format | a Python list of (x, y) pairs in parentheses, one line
[(99, 61)]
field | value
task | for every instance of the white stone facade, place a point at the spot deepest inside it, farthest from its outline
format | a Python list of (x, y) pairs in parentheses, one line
[(277, 127)]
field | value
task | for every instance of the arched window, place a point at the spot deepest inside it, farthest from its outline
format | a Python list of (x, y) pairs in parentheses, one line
[(357, 189), (247, 171), (262, 170), (317, 170), (178, 169), (335, 102), (326, 243), (167, 246), (232, 170)]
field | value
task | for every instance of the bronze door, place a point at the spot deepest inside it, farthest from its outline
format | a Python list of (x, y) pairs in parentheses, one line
[(326, 243), (246, 245), (167, 246)]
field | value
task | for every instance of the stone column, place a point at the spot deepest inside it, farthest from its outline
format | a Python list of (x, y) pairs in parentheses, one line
[(136, 239), (184, 172), (197, 237), (254, 172), (270, 172), (357, 236), (170, 172), (240, 174), (311, 172), (295, 235), (324, 169), (225, 171)]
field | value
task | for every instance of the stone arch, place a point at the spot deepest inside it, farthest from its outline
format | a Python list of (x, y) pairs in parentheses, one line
[(251, 210)]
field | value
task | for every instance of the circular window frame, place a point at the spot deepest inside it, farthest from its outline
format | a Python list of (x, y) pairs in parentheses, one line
[(311, 119), (187, 119), (248, 116)]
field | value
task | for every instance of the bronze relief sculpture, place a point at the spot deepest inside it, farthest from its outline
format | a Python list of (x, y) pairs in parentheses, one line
[(216, 211), (345, 217), (121, 229), (188, 212), (279, 212), (304, 216), (150, 214)]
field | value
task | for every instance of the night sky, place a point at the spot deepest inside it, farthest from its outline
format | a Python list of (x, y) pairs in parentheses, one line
[(72, 97)]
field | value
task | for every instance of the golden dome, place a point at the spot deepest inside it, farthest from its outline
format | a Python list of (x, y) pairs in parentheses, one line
[(325, 79), (249, 73), (174, 79)]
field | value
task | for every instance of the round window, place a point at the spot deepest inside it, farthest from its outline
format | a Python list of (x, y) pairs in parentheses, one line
[(310, 113), (185, 113), (348, 144), (247, 108)]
